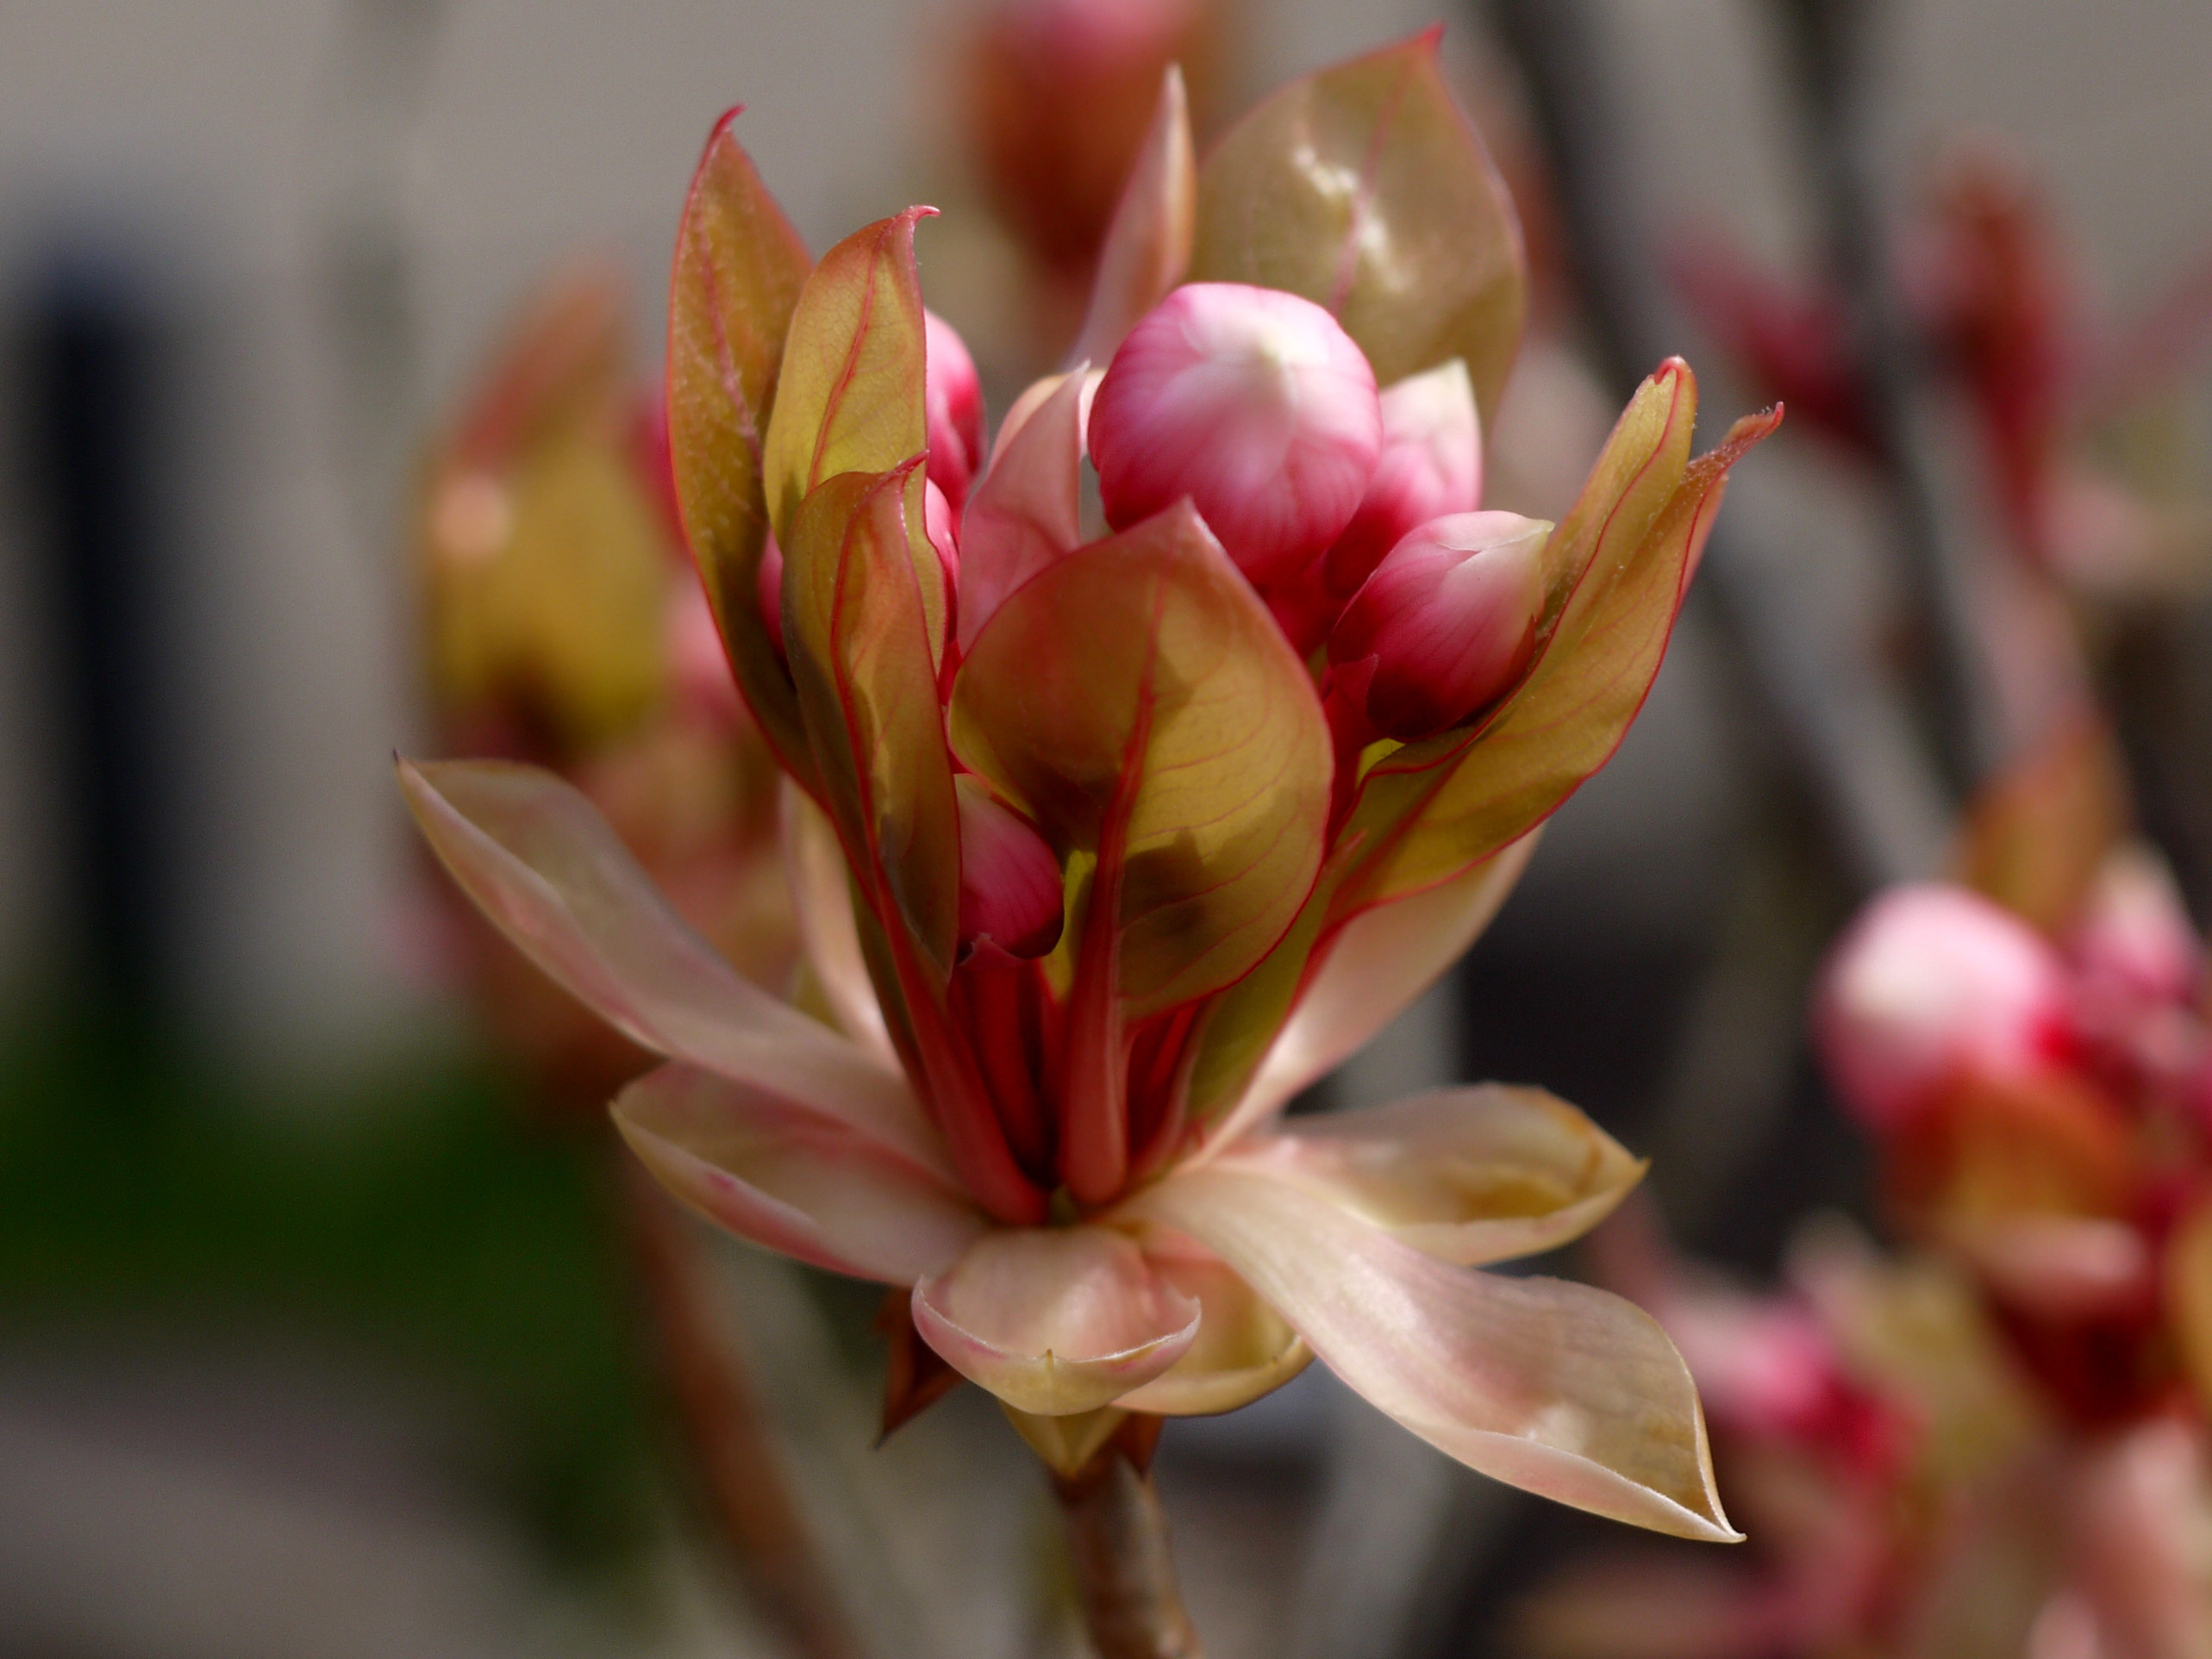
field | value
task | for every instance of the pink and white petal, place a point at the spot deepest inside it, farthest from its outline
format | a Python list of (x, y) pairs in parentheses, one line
[(821, 895), (1055, 1321), (1382, 960), (540, 861), (1471, 1174), (1244, 1349), (792, 1180), (1555, 1388)]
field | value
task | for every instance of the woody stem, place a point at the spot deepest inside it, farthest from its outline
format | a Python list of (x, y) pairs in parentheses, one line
[(1124, 1573)]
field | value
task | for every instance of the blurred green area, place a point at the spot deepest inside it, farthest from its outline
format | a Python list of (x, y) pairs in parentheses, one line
[(419, 1216)]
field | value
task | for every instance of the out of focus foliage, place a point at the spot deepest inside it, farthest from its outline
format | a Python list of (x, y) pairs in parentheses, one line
[(440, 1233)]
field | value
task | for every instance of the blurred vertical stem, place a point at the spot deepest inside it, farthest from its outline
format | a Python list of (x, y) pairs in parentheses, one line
[(1851, 741), (730, 1437), (1829, 44), (1124, 1571)]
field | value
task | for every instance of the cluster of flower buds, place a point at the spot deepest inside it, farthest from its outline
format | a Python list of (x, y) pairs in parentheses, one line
[(1097, 864), (2039, 1103)]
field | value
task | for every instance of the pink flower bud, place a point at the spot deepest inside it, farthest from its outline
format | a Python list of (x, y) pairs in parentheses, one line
[(1444, 626), (770, 578), (2135, 941), (1251, 403), (939, 524), (1010, 890), (1932, 984), (1431, 464), (951, 398)]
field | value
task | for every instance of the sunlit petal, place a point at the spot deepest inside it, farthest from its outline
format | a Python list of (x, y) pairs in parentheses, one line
[(1554, 1387), (1472, 1175), (1244, 1349)]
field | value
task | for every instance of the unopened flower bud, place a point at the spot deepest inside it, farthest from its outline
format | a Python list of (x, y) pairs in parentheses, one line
[(1253, 403), (1931, 986), (940, 525), (1431, 465), (1444, 626), (1010, 888), (951, 396), (770, 578)]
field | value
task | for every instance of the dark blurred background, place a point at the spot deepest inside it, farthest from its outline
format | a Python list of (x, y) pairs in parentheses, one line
[(310, 1344)]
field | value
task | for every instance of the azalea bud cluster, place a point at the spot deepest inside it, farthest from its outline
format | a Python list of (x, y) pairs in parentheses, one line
[(1103, 846), (2044, 1110), (1350, 510)]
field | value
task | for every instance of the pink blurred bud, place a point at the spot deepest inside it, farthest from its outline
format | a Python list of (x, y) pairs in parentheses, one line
[(1932, 984), (2135, 941), (1444, 626), (952, 400), (1010, 889), (1251, 403), (1431, 464), (770, 578)]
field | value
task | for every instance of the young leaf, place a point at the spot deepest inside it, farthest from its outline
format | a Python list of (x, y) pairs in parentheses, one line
[(1138, 690), (737, 271), (851, 396), (1363, 188)]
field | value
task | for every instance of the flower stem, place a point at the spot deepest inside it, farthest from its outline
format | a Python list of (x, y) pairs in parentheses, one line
[(1124, 1573)]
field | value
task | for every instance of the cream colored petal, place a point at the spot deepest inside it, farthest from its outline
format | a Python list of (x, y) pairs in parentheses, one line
[(1473, 1174), (1555, 1388), (1381, 961), (1055, 1321), (538, 859), (793, 1181), (821, 894), (1244, 1349)]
